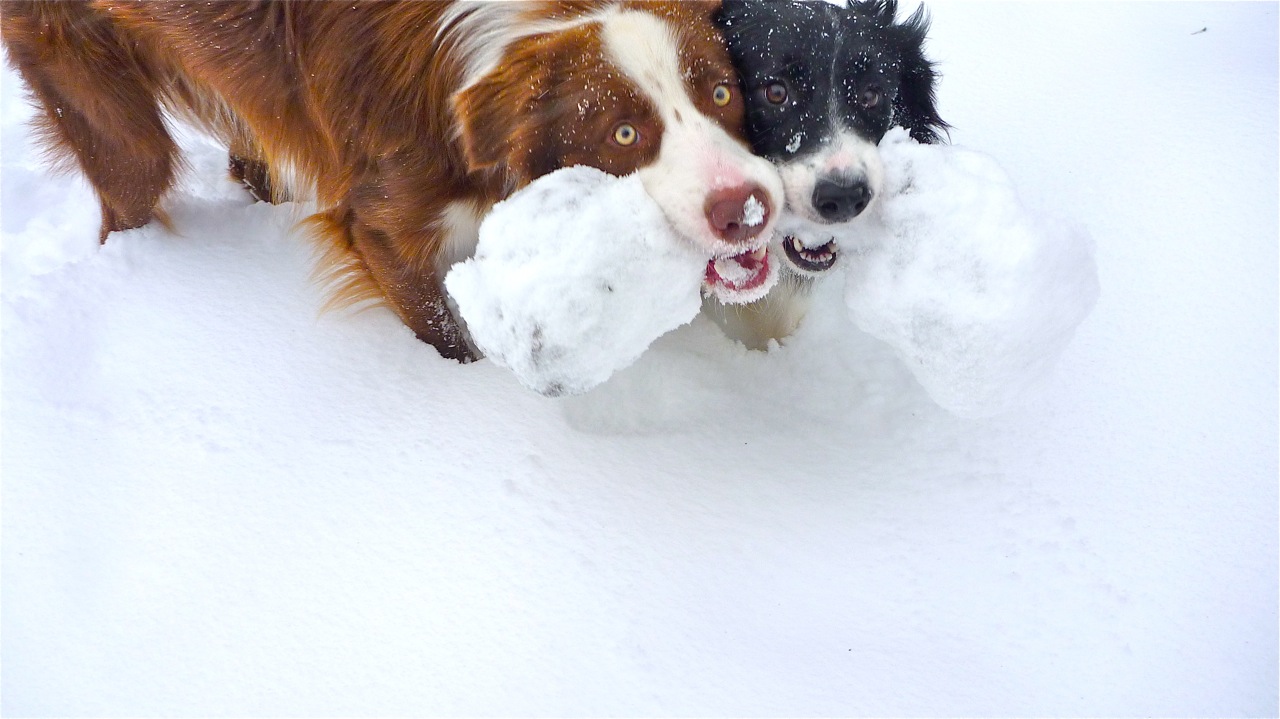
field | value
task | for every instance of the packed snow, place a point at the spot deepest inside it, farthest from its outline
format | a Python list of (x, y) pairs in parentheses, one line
[(978, 294), (217, 501), (573, 278)]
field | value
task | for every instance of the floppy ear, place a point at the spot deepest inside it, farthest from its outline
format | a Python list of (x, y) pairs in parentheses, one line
[(491, 112)]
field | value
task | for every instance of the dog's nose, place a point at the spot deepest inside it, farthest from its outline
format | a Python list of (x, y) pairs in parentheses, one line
[(737, 214), (838, 200)]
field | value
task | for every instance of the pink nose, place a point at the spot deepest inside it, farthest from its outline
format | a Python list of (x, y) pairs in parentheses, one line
[(737, 214)]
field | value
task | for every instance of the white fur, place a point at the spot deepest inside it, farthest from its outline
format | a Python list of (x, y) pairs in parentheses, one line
[(697, 155), (461, 223)]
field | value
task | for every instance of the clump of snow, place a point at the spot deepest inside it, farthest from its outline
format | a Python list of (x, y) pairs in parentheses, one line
[(573, 278), (742, 278), (739, 270), (978, 294), (753, 212)]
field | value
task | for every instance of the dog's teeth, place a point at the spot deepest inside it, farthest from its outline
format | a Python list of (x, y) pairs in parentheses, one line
[(759, 254)]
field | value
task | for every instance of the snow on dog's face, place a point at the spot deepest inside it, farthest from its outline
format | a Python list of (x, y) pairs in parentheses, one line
[(824, 84), (643, 87)]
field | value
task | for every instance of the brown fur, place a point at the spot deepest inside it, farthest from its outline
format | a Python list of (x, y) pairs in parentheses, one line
[(355, 98)]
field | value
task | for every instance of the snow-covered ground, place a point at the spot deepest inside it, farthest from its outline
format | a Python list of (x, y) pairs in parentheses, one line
[(216, 502)]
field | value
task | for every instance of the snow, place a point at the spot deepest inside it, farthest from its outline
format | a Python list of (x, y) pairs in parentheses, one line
[(573, 278), (794, 143), (217, 502), (978, 295), (753, 212)]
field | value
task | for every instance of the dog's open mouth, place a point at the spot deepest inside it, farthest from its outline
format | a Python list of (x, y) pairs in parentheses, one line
[(819, 259), (741, 278)]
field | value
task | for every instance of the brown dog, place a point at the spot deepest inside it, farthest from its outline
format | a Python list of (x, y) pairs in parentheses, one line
[(409, 119)]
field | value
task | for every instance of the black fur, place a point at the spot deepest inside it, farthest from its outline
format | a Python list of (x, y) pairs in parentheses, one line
[(824, 135), (827, 56), (823, 84)]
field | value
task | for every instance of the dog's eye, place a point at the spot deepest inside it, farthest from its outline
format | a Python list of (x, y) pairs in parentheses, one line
[(721, 95), (775, 93), (871, 97), (626, 134)]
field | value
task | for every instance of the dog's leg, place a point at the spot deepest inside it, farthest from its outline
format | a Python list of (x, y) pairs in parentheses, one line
[(252, 172), (373, 257), (98, 92), (249, 167), (416, 294), (403, 226)]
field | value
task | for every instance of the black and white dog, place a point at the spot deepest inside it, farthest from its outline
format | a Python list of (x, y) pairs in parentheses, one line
[(823, 83)]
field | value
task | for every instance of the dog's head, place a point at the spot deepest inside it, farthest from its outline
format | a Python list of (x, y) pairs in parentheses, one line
[(823, 84), (643, 87)]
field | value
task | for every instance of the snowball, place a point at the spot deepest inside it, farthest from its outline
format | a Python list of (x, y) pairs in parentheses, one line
[(978, 294), (573, 278)]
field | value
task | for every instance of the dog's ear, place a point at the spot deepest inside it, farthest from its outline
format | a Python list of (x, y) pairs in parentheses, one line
[(881, 12), (916, 106), (489, 113), (504, 118)]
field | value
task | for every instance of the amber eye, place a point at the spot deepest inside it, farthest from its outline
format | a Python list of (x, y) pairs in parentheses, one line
[(775, 93), (871, 97), (626, 134), (721, 95)]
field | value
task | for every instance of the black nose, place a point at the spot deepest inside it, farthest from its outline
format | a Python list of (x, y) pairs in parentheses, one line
[(840, 199)]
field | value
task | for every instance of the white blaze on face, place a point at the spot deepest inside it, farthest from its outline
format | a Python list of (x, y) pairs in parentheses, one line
[(697, 156), (847, 155)]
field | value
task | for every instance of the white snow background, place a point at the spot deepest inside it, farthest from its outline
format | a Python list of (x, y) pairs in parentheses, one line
[(216, 502)]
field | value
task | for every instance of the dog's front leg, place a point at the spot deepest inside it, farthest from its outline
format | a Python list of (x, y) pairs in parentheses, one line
[(388, 236)]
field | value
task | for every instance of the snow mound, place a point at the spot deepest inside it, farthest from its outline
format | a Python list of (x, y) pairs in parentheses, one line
[(978, 295), (573, 278)]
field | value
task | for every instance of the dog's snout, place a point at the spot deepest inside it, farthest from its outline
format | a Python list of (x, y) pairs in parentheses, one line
[(737, 214), (841, 199)]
